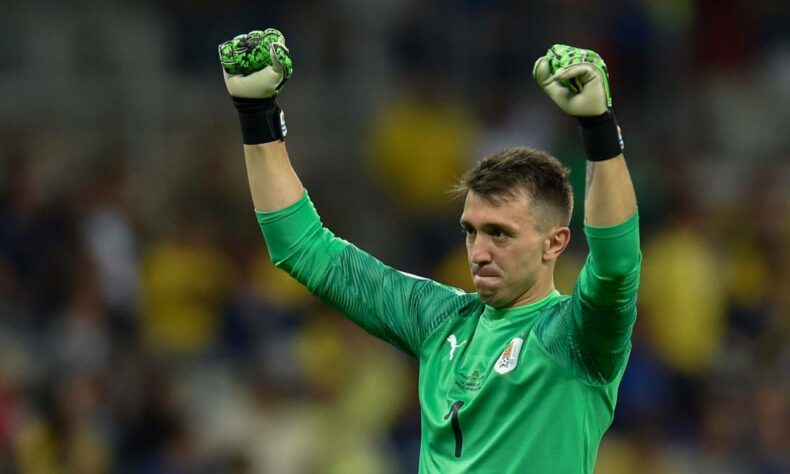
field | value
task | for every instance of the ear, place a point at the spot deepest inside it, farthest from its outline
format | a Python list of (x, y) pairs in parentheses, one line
[(556, 242)]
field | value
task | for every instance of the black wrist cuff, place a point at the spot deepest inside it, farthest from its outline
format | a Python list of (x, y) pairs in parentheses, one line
[(601, 136), (262, 120)]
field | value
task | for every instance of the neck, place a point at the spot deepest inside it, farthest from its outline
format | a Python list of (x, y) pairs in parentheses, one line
[(543, 286), (533, 294)]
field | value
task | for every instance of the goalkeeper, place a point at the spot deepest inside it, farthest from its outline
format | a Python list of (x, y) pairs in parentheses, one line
[(514, 378)]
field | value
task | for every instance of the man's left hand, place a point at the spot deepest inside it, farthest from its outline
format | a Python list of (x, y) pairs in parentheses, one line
[(575, 79)]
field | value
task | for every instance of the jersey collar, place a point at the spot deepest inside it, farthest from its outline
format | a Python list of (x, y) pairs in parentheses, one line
[(497, 315)]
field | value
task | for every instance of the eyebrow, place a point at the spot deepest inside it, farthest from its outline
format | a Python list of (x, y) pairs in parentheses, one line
[(489, 225)]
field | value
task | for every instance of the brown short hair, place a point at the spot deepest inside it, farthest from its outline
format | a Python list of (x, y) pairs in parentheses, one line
[(504, 175)]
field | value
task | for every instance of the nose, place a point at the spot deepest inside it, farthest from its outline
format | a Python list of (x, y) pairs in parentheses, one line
[(479, 251)]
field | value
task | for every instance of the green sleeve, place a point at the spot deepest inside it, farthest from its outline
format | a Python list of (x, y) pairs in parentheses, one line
[(591, 331), (605, 294), (399, 308), (610, 277)]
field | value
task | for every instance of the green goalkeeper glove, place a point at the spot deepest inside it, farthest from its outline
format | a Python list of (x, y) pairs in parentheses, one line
[(255, 66), (578, 82), (575, 79)]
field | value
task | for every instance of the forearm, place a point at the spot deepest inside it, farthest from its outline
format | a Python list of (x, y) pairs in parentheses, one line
[(273, 181), (609, 198), (611, 275)]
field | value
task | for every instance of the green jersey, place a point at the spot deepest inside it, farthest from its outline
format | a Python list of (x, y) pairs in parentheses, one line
[(516, 390)]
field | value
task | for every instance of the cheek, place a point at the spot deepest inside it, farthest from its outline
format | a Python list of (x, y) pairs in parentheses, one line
[(522, 263)]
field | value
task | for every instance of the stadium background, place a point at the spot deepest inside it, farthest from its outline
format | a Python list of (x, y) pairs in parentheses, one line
[(141, 329)]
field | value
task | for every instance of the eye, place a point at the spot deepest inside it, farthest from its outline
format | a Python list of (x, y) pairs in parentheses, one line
[(499, 235), (468, 232)]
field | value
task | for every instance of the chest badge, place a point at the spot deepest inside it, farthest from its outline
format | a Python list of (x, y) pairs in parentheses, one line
[(509, 358)]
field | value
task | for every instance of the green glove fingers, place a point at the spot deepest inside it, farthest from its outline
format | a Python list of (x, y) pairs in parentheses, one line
[(245, 53), (280, 54), (251, 52), (561, 57)]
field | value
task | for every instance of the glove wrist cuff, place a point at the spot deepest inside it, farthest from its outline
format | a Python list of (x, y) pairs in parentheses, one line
[(601, 136), (262, 120)]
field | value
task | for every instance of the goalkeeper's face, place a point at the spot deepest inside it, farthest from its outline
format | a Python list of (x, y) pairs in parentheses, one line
[(511, 259)]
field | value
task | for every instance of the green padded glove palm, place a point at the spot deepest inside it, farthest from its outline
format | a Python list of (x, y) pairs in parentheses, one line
[(575, 79), (256, 65)]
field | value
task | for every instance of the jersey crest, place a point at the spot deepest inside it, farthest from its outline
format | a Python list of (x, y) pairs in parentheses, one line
[(509, 358)]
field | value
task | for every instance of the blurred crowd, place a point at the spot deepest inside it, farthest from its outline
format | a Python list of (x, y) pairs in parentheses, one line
[(143, 329)]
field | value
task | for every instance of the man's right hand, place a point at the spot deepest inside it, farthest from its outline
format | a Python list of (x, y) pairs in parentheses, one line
[(256, 65)]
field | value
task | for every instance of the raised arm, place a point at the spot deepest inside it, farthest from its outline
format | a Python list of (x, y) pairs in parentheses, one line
[(603, 309), (393, 306), (256, 66)]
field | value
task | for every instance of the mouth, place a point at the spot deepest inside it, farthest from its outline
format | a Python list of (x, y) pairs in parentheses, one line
[(484, 279), (485, 273)]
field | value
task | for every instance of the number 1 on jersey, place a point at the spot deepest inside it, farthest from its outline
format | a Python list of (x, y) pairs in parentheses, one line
[(459, 437)]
